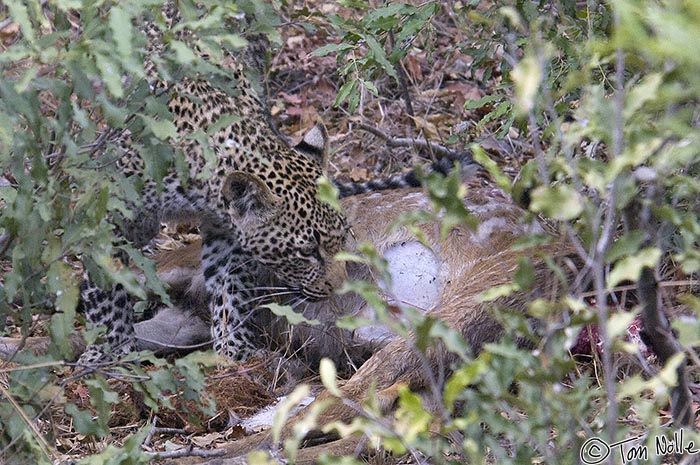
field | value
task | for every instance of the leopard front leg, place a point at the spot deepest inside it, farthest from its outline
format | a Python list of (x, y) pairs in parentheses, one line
[(232, 279), (113, 311)]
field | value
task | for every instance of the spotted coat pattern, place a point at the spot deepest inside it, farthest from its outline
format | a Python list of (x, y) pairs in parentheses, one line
[(258, 213)]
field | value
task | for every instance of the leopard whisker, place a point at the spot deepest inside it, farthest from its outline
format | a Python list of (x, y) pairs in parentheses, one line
[(242, 265), (270, 288), (267, 296)]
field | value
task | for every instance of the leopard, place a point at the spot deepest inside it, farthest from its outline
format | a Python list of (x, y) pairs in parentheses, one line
[(441, 275), (259, 215), (258, 212)]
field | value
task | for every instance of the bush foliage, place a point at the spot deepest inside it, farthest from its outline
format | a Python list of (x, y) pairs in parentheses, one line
[(609, 98), (607, 95), (71, 86)]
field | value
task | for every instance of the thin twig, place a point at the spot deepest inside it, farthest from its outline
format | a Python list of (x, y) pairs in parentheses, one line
[(158, 430), (43, 445), (602, 244), (403, 85), (152, 432), (189, 451), (5, 242), (409, 142), (57, 363), (632, 287)]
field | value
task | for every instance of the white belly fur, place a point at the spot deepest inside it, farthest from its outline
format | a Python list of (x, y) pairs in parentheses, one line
[(416, 281)]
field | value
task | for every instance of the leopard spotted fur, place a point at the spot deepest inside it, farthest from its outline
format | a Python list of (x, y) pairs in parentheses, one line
[(258, 211), (259, 214)]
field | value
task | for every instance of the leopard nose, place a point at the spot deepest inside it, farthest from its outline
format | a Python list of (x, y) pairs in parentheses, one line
[(336, 274), (324, 288)]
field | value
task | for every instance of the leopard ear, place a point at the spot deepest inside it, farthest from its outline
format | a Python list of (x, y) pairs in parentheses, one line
[(248, 198), (315, 143)]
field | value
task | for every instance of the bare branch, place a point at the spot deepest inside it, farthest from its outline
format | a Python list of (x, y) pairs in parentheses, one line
[(403, 84), (189, 451), (659, 336), (411, 142)]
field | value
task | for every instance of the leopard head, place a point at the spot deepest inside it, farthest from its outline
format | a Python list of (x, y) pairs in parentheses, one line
[(284, 225)]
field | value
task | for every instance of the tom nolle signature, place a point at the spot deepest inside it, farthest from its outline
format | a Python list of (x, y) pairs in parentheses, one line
[(595, 450)]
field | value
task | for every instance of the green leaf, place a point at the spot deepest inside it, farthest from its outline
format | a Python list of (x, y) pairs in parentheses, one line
[(464, 377), (358, 4), (350, 87), (641, 93), (114, 114), (525, 273), (130, 453), (235, 41), (541, 309), (422, 333), (82, 421), (630, 268), (482, 102), (148, 267), (618, 323), (412, 421), (122, 31), (379, 55), (390, 11), (527, 77), (561, 202), (223, 122), (27, 79), (102, 397), (688, 331), (453, 340), (285, 408), (626, 244), (110, 72), (163, 129), (369, 86), (61, 281), (67, 5), (19, 13), (495, 292), (183, 54), (367, 291), (328, 374), (331, 48), (659, 384), (328, 193), (288, 312), (481, 157)]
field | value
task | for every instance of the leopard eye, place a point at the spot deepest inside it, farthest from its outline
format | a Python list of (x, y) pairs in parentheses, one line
[(308, 251)]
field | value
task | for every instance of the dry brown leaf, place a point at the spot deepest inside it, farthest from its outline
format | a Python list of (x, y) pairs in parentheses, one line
[(359, 174), (413, 67), (428, 128), (207, 439), (295, 41), (9, 32), (291, 98), (461, 92)]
